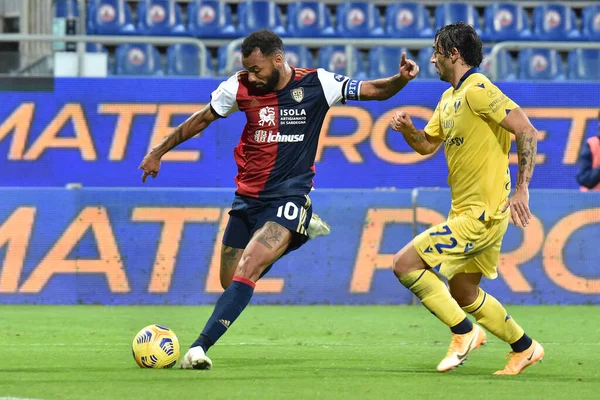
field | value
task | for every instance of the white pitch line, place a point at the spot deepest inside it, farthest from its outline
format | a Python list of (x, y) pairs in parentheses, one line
[(299, 343), (16, 398)]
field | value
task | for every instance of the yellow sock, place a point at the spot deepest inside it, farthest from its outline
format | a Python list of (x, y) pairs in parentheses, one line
[(493, 316), (434, 295)]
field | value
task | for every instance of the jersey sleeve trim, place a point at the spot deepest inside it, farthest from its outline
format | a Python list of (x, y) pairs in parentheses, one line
[(223, 100)]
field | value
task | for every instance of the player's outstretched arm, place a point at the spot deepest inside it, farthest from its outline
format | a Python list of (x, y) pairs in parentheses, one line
[(189, 128), (383, 89), (517, 123), (421, 142)]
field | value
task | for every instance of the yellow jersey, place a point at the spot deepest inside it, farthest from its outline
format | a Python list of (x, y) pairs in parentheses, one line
[(476, 146)]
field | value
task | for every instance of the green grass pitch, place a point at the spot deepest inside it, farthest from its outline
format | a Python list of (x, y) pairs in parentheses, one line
[(290, 352)]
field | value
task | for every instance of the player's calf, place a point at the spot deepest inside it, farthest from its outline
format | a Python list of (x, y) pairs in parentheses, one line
[(266, 246), (230, 258)]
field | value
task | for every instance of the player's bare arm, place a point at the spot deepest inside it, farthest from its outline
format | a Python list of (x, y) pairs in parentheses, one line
[(188, 129), (385, 88), (420, 142), (517, 123)]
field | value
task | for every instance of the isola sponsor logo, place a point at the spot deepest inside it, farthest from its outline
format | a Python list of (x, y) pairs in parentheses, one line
[(292, 112)]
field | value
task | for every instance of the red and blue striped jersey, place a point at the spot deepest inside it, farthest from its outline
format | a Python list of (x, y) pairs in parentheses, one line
[(276, 152)]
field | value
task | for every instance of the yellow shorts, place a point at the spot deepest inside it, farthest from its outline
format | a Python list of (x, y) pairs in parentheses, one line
[(463, 244)]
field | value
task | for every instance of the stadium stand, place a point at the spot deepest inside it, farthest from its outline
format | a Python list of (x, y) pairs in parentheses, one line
[(555, 22), (358, 19), (449, 13), (138, 59), (591, 22), (254, 15), (110, 17), (408, 20), (584, 64), (383, 61), (210, 19), (309, 19), (540, 64), (218, 21), (184, 60), (299, 56), (506, 68), (160, 17), (506, 21), (333, 58)]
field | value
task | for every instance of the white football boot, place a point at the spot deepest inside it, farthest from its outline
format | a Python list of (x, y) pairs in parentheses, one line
[(195, 358), (317, 227)]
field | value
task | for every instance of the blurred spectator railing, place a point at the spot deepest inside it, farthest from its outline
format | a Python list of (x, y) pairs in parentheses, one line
[(348, 43), (111, 40)]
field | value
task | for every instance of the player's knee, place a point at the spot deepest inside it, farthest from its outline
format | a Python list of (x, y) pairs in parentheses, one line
[(400, 266), (463, 296), (249, 267)]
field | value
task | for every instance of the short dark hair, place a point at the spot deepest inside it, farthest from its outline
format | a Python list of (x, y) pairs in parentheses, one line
[(267, 41), (464, 38)]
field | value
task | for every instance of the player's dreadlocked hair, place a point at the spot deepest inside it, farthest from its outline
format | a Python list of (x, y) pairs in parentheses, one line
[(265, 40), (464, 38)]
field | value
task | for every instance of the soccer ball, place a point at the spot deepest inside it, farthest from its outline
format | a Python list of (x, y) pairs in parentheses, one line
[(155, 346)]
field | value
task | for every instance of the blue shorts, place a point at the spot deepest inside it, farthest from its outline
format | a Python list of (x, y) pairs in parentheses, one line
[(248, 215)]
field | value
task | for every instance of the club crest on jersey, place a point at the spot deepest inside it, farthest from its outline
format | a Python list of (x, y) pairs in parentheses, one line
[(457, 106), (267, 116), (298, 94)]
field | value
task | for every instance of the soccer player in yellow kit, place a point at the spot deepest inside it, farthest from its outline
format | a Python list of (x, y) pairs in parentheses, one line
[(473, 121)]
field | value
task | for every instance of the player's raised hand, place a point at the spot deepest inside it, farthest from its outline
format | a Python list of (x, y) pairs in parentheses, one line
[(408, 68), (402, 122), (151, 165), (519, 207)]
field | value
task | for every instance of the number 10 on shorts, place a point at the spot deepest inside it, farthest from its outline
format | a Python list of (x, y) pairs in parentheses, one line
[(289, 211)]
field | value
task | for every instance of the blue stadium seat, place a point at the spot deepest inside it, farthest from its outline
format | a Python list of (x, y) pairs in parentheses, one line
[(210, 18), (66, 9), (222, 60), (590, 18), (427, 69), (407, 20), (94, 48), (109, 17), (540, 64), (584, 64), (555, 22), (259, 14), (298, 56), (333, 59), (160, 17), (137, 59), (450, 13), (506, 21), (385, 61), (506, 68), (184, 60), (309, 19), (358, 19)]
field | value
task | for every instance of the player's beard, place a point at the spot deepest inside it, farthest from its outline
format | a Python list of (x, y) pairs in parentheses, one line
[(271, 83)]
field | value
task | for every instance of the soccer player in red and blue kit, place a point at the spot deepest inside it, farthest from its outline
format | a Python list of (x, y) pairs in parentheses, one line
[(285, 108)]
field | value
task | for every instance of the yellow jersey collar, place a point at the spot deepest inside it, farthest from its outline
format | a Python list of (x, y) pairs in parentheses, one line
[(470, 72)]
